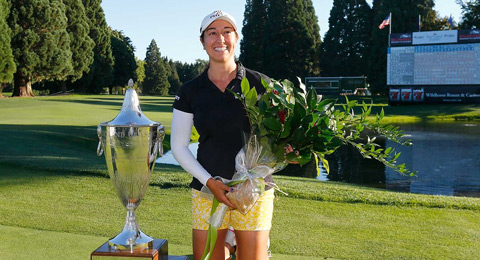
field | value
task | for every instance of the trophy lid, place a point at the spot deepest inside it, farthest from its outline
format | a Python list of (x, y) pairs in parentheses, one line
[(130, 114)]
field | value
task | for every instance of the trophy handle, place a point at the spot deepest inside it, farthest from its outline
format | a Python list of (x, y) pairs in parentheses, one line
[(160, 137), (100, 144)]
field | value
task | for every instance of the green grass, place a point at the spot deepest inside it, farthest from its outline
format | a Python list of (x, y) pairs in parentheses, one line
[(57, 202)]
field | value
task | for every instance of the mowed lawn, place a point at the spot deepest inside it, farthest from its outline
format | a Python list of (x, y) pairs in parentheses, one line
[(57, 202)]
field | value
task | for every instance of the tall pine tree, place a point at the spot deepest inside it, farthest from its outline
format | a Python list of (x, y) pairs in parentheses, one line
[(40, 43), (139, 73), (404, 19), (172, 76), (345, 45), (101, 70), (125, 64), (290, 47), (81, 44), (470, 14), (251, 45), (156, 81), (7, 64)]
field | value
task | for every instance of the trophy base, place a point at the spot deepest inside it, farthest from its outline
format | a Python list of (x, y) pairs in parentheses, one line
[(158, 251)]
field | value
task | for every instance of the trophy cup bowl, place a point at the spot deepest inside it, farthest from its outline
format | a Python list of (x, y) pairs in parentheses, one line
[(130, 143)]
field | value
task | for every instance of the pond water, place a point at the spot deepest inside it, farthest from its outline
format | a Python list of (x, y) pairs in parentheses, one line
[(445, 155)]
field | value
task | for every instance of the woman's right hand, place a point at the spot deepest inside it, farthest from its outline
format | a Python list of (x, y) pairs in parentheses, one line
[(219, 189)]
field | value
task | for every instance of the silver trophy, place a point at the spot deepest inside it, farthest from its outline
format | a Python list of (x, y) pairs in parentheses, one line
[(130, 143)]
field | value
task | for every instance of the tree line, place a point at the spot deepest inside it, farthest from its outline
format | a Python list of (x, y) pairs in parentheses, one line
[(59, 45)]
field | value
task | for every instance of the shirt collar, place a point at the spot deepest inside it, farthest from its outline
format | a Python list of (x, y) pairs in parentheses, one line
[(240, 71)]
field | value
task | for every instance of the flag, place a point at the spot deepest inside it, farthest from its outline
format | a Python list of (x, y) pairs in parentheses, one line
[(385, 22), (450, 21)]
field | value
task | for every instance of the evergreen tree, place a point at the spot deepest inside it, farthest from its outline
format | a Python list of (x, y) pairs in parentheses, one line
[(125, 64), (172, 76), (345, 45), (470, 14), (404, 19), (251, 45), (81, 45), (7, 64), (40, 43), (139, 73), (291, 40), (188, 71), (156, 81), (100, 74)]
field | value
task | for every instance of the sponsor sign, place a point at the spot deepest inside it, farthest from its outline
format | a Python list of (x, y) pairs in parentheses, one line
[(394, 94), (406, 94), (435, 37), (418, 95), (436, 94), (469, 35), (400, 39)]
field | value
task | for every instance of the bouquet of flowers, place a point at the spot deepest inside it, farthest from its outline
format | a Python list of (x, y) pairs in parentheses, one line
[(289, 116)]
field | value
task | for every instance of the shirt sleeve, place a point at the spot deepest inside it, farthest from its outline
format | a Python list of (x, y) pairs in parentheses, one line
[(182, 102), (181, 130)]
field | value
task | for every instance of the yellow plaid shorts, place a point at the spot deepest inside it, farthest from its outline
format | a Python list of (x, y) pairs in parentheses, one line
[(258, 218)]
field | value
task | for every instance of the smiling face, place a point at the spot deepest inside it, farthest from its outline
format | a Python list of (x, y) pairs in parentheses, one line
[(219, 41)]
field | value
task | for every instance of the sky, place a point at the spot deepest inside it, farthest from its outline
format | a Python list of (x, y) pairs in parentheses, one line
[(175, 24)]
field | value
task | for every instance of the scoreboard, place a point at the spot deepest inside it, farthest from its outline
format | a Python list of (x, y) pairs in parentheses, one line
[(434, 66)]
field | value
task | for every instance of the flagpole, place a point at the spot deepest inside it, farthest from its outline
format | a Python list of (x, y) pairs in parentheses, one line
[(419, 22), (389, 29)]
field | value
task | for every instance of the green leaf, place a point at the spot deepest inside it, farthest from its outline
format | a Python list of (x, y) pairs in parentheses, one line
[(251, 97), (272, 123), (325, 105), (299, 111), (301, 85), (312, 99), (265, 84), (245, 86), (304, 157), (262, 106), (324, 162), (287, 128)]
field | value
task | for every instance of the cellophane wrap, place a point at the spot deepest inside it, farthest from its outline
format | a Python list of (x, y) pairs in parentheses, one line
[(253, 163)]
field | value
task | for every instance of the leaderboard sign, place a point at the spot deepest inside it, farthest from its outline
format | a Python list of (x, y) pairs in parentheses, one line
[(434, 66)]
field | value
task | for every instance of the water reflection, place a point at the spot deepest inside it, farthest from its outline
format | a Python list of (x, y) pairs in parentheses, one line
[(446, 156), (168, 158)]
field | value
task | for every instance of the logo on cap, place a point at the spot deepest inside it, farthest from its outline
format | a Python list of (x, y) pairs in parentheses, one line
[(216, 14)]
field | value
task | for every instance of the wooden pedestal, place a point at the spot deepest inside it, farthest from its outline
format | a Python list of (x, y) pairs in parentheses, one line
[(158, 252)]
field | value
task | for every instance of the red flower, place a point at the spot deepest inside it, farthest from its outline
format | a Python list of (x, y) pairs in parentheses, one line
[(281, 115)]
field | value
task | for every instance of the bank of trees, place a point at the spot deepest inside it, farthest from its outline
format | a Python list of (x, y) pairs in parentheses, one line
[(281, 38), (67, 44)]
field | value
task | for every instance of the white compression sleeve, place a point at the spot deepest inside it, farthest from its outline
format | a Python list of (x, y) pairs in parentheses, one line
[(181, 130)]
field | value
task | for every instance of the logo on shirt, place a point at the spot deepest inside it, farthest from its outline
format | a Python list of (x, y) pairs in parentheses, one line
[(177, 98)]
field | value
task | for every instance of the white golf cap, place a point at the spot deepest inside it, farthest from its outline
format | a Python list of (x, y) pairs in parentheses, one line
[(219, 14)]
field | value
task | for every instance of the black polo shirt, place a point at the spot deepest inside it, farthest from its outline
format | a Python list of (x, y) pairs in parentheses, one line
[(220, 120)]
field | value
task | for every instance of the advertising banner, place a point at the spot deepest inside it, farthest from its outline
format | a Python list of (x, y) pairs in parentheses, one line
[(435, 37), (435, 94), (468, 36), (418, 95), (406, 94), (400, 39), (394, 94)]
